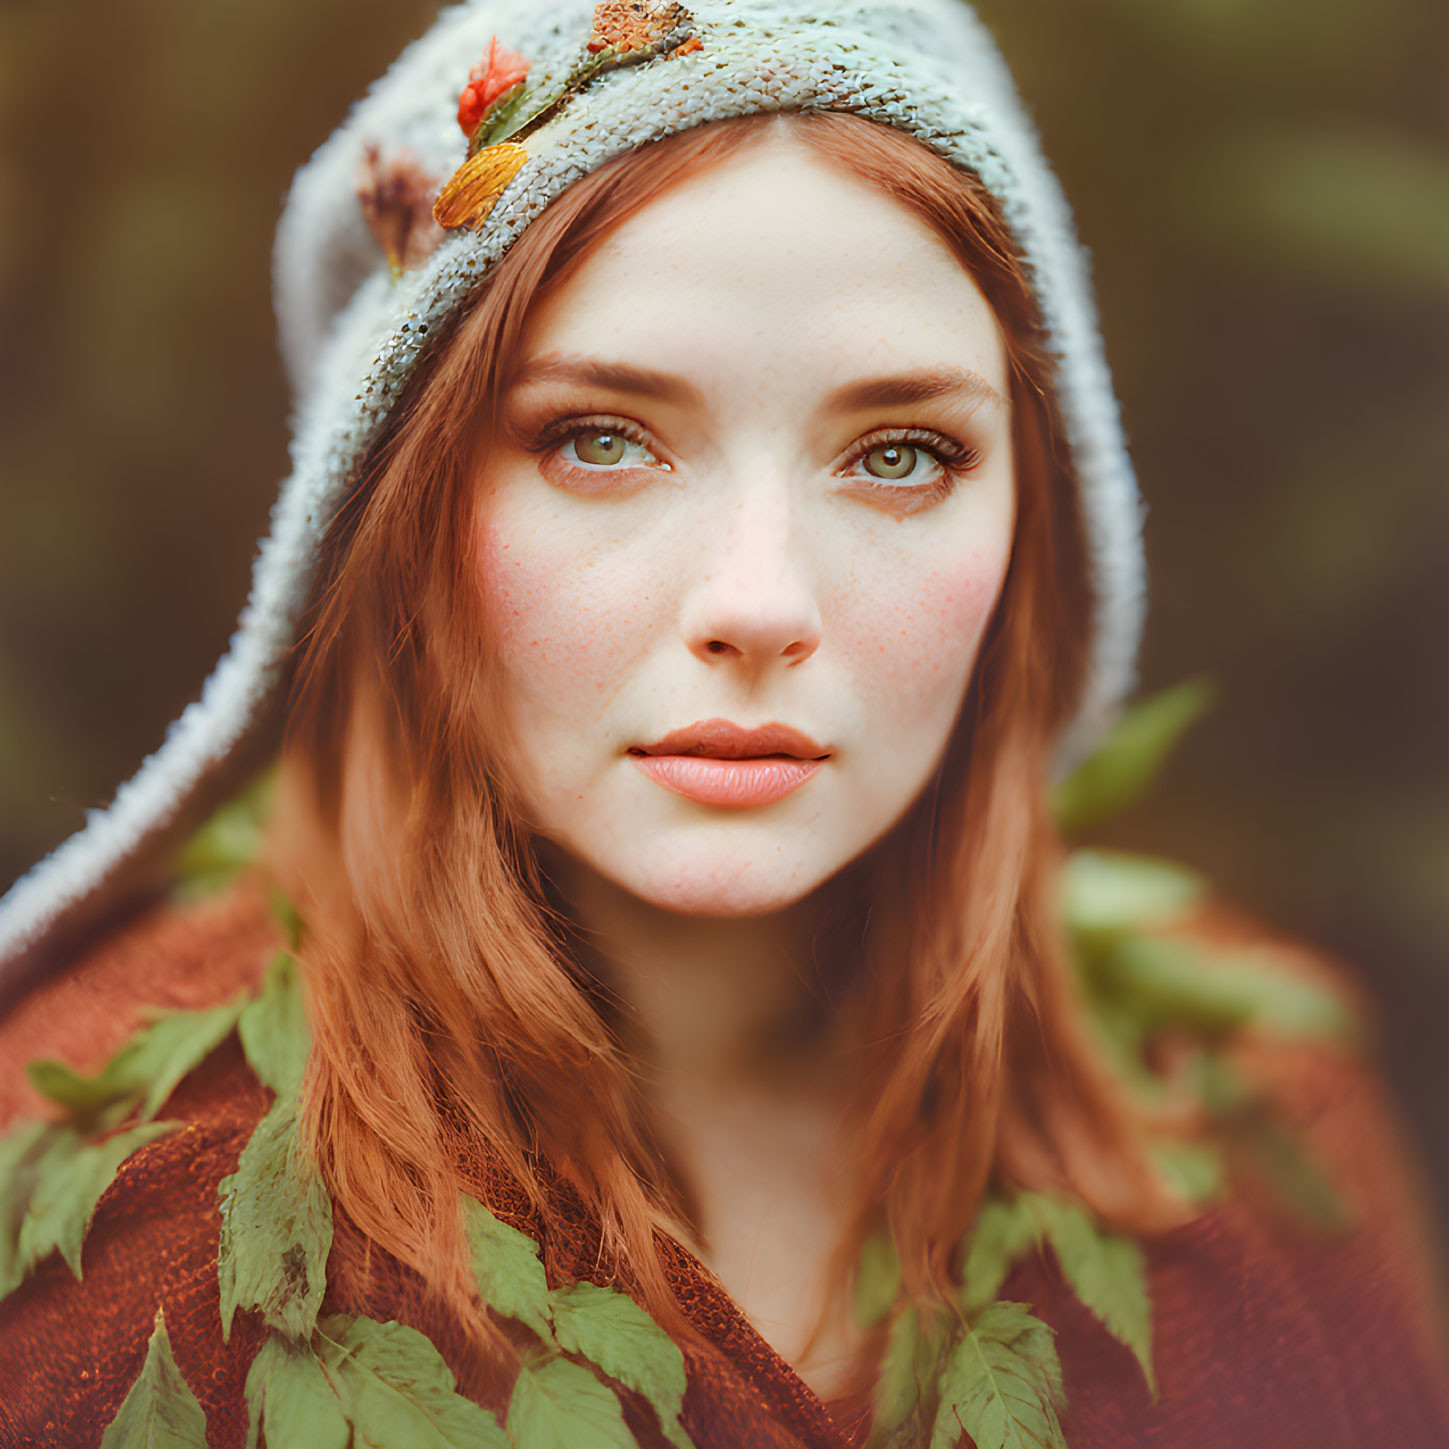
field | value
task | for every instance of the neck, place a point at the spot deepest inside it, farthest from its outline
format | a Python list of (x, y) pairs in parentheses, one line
[(742, 1001), (737, 1027)]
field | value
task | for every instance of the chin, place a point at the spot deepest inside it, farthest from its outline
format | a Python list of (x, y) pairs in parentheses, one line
[(721, 887)]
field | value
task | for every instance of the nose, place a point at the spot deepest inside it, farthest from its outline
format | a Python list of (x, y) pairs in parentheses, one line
[(753, 602)]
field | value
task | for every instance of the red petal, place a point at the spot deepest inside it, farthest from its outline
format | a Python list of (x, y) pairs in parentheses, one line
[(499, 71)]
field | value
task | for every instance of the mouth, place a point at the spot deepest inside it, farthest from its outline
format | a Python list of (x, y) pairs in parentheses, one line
[(717, 762)]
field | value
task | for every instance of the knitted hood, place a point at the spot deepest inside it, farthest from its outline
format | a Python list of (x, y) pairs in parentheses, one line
[(351, 330)]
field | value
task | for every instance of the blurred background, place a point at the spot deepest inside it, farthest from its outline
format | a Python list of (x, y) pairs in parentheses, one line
[(1264, 187)]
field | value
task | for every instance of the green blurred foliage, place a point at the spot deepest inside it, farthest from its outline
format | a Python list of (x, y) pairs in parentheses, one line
[(1263, 186), (1121, 770)]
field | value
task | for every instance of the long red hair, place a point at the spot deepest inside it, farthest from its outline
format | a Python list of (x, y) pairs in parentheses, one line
[(445, 1001)]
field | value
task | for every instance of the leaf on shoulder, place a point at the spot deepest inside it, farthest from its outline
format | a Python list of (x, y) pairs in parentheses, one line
[(394, 1388), (160, 1411), (143, 1073), (289, 1397), (614, 1333), (508, 1269), (1001, 1384), (559, 1402), (276, 1228)]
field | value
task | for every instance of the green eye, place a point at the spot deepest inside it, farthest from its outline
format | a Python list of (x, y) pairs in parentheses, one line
[(891, 460), (602, 448)]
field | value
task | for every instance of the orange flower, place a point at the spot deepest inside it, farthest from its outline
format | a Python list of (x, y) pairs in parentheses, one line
[(635, 24), (474, 188), (495, 75)]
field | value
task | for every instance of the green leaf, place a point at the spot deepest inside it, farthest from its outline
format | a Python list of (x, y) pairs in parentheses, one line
[(80, 1094), (1001, 1384), (497, 121), (1106, 891), (506, 1264), (396, 1390), (276, 1229), (877, 1280), (559, 1405), (904, 1399), (1121, 769), (229, 842), (1193, 1169), (1037, 1345), (71, 1176), (285, 915), (146, 1070), (160, 1411), (1004, 1234), (896, 1389), (615, 1334), (1175, 981), (288, 1395), (1122, 1039), (175, 1045), (273, 1029), (1238, 1109), (1106, 1271), (19, 1148), (1300, 1183)]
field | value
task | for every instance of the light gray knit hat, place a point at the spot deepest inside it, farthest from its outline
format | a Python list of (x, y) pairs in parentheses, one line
[(351, 330)]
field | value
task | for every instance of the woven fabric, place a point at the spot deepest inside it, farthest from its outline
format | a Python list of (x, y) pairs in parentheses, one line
[(1266, 1333), (352, 336)]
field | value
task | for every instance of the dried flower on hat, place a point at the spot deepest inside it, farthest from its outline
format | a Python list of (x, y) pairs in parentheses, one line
[(476, 185), (489, 82), (396, 195), (497, 110), (632, 25)]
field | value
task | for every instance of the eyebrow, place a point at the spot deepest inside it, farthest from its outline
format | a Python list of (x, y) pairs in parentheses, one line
[(618, 377), (892, 390), (901, 389)]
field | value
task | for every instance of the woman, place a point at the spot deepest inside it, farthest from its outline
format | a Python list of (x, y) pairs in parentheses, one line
[(710, 531)]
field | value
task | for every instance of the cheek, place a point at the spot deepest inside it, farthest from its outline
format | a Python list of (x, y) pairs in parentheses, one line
[(563, 619), (919, 630)]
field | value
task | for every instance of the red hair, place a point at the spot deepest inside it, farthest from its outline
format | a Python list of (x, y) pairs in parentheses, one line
[(434, 963)]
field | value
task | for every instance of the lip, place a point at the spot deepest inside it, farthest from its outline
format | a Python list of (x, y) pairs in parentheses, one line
[(717, 762), (722, 739)]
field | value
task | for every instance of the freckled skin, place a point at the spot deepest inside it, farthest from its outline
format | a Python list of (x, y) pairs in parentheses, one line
[(735, 567)]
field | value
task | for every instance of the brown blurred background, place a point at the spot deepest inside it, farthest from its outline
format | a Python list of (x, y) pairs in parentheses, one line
[(1264, 185)]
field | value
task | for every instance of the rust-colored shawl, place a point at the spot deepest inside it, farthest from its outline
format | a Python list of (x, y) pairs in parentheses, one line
[(1267, 1333)]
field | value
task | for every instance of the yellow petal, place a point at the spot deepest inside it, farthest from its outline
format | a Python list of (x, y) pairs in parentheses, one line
[(477, 184)]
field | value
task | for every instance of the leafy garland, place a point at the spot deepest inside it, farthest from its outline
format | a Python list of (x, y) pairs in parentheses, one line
[(339, 1379), (991, 1369), (986, 1367), (979, 1366)]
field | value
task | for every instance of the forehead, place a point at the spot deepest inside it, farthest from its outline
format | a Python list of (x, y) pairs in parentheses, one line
[(775, 260)]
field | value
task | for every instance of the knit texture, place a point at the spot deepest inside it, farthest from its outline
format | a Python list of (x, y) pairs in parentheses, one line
[(351, 336), (1266, 1331)]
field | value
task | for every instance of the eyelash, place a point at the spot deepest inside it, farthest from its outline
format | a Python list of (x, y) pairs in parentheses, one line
[(952, 458), (587, 477)]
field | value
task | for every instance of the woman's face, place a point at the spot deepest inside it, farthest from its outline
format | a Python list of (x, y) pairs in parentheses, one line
[(746, 523)]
